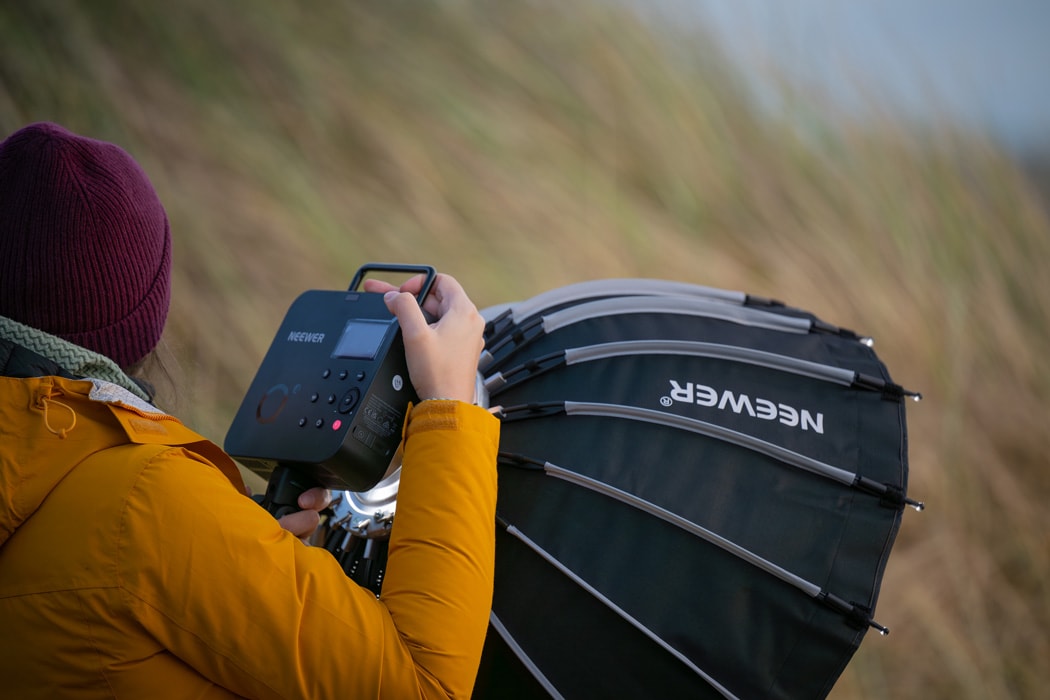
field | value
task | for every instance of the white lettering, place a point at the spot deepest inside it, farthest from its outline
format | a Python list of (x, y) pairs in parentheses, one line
[(788, 415), (737, 403), (809, 423), (680, 393), (706, 396), (764, 409)]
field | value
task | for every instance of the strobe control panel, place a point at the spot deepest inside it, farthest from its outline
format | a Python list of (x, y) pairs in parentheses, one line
[(330, 397)]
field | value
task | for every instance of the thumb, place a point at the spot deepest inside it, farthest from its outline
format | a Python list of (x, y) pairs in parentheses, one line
[(406, 308)]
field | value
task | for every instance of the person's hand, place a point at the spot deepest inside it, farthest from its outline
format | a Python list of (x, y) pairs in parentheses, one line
[(442, 356), (303, 523)]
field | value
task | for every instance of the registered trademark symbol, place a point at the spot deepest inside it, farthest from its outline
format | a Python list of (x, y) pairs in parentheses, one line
[(665, 401)]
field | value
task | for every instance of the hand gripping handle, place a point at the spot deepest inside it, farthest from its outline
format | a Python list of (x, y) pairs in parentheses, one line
[(428, 281)]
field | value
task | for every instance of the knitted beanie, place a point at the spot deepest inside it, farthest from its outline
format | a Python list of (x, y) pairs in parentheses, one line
[(85, 246)]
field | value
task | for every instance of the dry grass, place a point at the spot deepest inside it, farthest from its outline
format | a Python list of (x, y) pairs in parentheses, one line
[(522, 146)]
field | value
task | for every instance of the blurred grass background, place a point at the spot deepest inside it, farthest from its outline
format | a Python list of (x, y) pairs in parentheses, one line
[(523, 146)]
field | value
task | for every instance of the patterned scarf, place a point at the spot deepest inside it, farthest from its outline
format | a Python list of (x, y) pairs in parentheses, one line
[(77, 360)]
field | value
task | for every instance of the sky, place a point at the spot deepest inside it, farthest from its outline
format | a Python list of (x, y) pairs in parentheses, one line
[(983, 63)]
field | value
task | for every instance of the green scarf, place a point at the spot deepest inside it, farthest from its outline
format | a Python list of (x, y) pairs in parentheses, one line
[(77, 360)]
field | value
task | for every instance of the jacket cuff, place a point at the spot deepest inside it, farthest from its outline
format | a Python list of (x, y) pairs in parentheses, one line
[(442, 414)]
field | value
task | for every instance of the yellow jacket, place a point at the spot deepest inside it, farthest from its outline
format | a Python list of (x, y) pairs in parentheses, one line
[(132, 565)]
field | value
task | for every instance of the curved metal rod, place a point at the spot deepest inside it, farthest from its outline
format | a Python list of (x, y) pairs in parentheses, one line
[(734, 437), (516, 312), (854, 613), (524, 658), (500, 381), (522, 335), (617, 609)]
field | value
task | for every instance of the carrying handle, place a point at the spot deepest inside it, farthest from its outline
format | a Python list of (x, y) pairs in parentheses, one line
[(428, 281)]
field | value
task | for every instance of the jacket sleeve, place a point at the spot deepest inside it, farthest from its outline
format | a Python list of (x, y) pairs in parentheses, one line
[(219, 584)]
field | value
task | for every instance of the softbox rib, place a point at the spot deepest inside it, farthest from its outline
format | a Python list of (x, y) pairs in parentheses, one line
[(520, 654), (500, 381), (598, 595), (734, 437), (740, 315), (604, 288), (610, 491), (718, 351), (849, 610)]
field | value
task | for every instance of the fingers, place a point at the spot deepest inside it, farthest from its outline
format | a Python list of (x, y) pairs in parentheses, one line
[(317, 499), (445, 293), (412, 286), (404, 306), (301, 523), (378, 286)]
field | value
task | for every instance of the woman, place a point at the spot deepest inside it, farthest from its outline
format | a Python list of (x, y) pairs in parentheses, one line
[(131, 562)]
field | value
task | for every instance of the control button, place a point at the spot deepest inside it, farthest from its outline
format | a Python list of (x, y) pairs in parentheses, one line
[(313, 397), (302, 422), (319, 423), (360, 375), (343, 374), (326, 374), (331, 398), (349, 400)]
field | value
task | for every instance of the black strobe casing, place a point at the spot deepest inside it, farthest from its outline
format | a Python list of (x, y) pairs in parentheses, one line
[(329, 399)]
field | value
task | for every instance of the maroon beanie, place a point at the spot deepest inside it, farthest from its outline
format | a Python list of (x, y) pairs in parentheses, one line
[(85, 247)]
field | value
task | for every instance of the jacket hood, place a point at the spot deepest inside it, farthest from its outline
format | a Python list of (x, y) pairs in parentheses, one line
[(50, 424)]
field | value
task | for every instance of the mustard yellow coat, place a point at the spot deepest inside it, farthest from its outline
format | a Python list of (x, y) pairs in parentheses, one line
[(132, 565)]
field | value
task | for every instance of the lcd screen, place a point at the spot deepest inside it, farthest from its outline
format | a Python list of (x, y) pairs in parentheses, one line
[(362, 339)]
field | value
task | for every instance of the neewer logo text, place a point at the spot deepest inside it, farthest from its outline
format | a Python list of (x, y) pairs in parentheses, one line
[(764, 409), (305, 337)]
